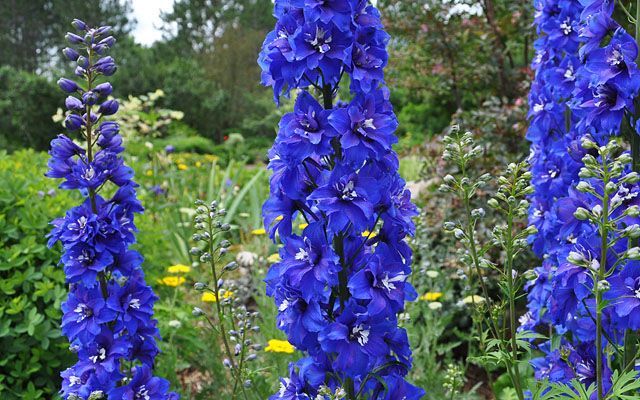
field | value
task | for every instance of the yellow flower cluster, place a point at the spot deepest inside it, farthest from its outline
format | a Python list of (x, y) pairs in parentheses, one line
[(172, 281), (258, 232), (279, 346), (431, 296), (209, 297), (179, 269)]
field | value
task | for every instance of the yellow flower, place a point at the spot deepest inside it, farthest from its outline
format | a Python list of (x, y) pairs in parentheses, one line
[(258, 232), (274, 258), (368, 234), (279, 346), (474, 299), (431, 296), (172, 281), (182, 167), (303, 225), (198, 164), (179, 269), (209, 297), (149, 173)]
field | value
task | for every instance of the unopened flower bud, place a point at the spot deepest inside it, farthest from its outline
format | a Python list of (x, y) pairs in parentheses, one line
[(199, 286), (197, 312), (581, 213), (232, 266), (633, 253)]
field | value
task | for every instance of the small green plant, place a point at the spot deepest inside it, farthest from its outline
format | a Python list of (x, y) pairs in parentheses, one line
[(500, 345), (230, 320)]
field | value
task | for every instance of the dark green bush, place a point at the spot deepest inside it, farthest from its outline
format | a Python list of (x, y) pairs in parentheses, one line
[(27, 102), (31, 284)]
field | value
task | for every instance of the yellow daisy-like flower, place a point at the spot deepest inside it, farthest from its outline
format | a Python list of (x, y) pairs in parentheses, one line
[(279, 346), (368, 234), (172, 281), (209, 297), (179, 269), (274, 258), (149, 173), (303, 225), (431, 296), (182, 167), (258, 232)]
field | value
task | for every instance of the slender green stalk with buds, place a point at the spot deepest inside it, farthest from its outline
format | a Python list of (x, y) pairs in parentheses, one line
[(499, 344)]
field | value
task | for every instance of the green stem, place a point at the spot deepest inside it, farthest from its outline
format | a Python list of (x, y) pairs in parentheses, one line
[(512, 306), (600, 276), (223, 332)]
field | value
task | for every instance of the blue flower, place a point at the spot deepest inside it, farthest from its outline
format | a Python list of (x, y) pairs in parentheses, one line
[(347, 198), (624, 296), (108, 313), (382, 284), (365, 126), (356, 339), (337, 288), (84, 312), (143, 385)]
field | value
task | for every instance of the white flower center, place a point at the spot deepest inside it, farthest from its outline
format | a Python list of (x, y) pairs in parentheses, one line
[(538, 108), (566, 26), (568, 74), (134, 303), (360, 334), (348, 192), (102, 355), (616, 58), (389, 283), (82, 311), (89, 174), (143, 393), (74, 380), (302, 255)]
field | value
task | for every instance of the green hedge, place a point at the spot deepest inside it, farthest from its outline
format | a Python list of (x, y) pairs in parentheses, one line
[(31, 284), (27, 103)]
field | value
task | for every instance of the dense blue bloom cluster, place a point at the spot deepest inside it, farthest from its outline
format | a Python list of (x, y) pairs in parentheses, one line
[(585, 83), (343, 278), (108, 314)]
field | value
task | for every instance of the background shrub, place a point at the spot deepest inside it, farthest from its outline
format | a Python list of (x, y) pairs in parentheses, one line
[(31, 285), (27, 102)]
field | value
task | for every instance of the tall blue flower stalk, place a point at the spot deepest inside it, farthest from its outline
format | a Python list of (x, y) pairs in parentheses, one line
[(108, 313), (343, 278), (584, 89)]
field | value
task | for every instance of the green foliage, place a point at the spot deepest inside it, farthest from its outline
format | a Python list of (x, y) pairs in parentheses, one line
[(26, 104), (31, 29), (31, 284)]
